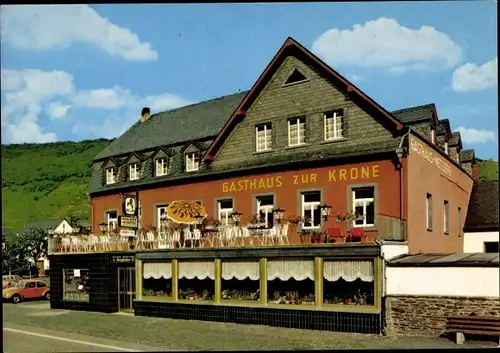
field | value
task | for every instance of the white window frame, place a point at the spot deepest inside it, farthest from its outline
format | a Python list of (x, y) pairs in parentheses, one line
[(161, 166), (159, 210), (133, 171), (300, 133), (112, 222), (310, 205), (224, 214), (336, 134), (267, 130), (192, 162), (110, 176), (446, 217), (364, 202), (433, 136), (429, 212), (265, 209)]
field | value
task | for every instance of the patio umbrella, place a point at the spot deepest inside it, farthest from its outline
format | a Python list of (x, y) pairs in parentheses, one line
[(185, 211)]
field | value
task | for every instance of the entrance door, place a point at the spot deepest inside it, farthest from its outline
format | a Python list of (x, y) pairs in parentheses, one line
[(126, 288)]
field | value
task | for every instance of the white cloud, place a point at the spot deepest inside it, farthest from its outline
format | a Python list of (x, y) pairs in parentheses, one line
[(356, 78), (470, 77), (115, 109), (37, 27), (386, 43), (57, 110), (474, 136)]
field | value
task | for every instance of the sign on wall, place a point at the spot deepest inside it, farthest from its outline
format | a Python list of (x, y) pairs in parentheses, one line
[(129, 222), (122, 259), (272, 182), (130, 205), (432, 156)]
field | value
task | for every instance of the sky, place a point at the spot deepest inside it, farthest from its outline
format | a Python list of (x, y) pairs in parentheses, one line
[(76, 72)]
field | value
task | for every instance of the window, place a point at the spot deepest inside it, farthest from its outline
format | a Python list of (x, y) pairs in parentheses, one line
[(112, 220), (41, 284), (157, 279), (224, 210), (133, 171), (110, 176), (265, 206), (192, 162), (295, 77), (240, 280), (310, 209), (196, 280), (334, 125), (161, 211), (263, 137), (428, 211), (161, 166), (363, 205), (491, 247), (446, 217), (76, 284), (296, 131), (460, 228)]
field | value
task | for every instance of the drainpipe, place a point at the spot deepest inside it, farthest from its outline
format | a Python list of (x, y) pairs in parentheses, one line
[(400, 153)]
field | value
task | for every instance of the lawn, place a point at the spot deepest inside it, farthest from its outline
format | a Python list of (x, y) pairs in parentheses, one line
[(200, 335)]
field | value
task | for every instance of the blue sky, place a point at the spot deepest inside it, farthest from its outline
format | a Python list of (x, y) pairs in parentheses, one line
[(84, 72)]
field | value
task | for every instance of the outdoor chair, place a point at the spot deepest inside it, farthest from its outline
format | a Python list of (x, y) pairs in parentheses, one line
[(65, 244), (188, 235), (174, 238), (197, 237), (282, 234), (217, 236), (333, 233), (92, 242), (237, 234), (268, 236), (356, 234)]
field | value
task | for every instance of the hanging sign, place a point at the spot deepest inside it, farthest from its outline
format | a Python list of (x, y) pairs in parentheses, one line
[(129, 205)]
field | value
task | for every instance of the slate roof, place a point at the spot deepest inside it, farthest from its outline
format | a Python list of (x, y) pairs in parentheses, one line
[(446, 260), (192, 122), (46, 224), (466, 155), (443, 127), (416, 114), (456, 139), (482, 213)]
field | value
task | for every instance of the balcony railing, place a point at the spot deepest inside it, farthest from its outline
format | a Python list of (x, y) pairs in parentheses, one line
[(390, 228)]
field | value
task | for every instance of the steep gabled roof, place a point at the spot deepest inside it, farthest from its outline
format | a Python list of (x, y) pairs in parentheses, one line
[(292, 47), (418, 114), (444, 128), (483, 212), (456, 140), (192, 122), (466, 155)]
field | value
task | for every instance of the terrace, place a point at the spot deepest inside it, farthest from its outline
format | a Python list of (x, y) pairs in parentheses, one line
[(200, 232)]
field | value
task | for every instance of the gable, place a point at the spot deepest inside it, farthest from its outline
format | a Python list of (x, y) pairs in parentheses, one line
[(133, 159), (190, 148), (63, 227), (109, 164), (292, 48), (160, 154)]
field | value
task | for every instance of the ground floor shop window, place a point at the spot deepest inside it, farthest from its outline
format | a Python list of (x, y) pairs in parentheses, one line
[(76, 284), (240, 280), (348, 283), (290, 282), (157, 279), (196, 280)]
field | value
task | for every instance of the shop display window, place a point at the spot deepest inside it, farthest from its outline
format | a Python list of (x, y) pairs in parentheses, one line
[(76, 284), (240, 280), (157, 279), (290, 282), (196, 280)]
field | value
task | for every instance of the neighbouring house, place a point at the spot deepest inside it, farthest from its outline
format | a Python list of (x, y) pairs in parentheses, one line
[(481, 230)]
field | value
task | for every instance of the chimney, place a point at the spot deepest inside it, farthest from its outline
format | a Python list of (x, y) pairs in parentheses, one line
[(145, 114)]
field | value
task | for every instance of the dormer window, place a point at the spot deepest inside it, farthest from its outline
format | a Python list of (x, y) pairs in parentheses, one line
[(446, 148), (161, 166), (433, 136), (192, 162), (110, 176), (133, 171)]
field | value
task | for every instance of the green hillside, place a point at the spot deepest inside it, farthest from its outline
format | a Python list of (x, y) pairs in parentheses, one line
[(44, 181)]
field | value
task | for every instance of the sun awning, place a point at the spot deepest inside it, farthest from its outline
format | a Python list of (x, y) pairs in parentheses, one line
[(348, 270), (287, 269), (196, 269), (157, 270), (240, 270)]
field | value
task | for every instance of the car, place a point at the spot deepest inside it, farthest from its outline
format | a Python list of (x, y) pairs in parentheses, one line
[(10, 280), (27, 289)]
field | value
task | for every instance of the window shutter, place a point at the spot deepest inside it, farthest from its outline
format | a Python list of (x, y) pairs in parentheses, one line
[(346, 123)]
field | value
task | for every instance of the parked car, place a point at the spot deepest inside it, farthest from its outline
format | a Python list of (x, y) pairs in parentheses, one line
[(27, 289)]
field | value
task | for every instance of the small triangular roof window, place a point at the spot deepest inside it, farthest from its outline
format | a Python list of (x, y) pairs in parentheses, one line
[(295, 76)]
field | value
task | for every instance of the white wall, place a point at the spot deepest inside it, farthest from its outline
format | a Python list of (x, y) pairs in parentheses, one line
[(443, 281), (390, 251), (474, 242)]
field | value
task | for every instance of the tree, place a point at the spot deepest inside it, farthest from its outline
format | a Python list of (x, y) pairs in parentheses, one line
[(24, 250)]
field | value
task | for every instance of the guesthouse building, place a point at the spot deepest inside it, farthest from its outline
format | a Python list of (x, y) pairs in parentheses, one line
[(321, 175)]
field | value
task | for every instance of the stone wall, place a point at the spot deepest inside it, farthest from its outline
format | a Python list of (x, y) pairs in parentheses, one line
[(426, 316)]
